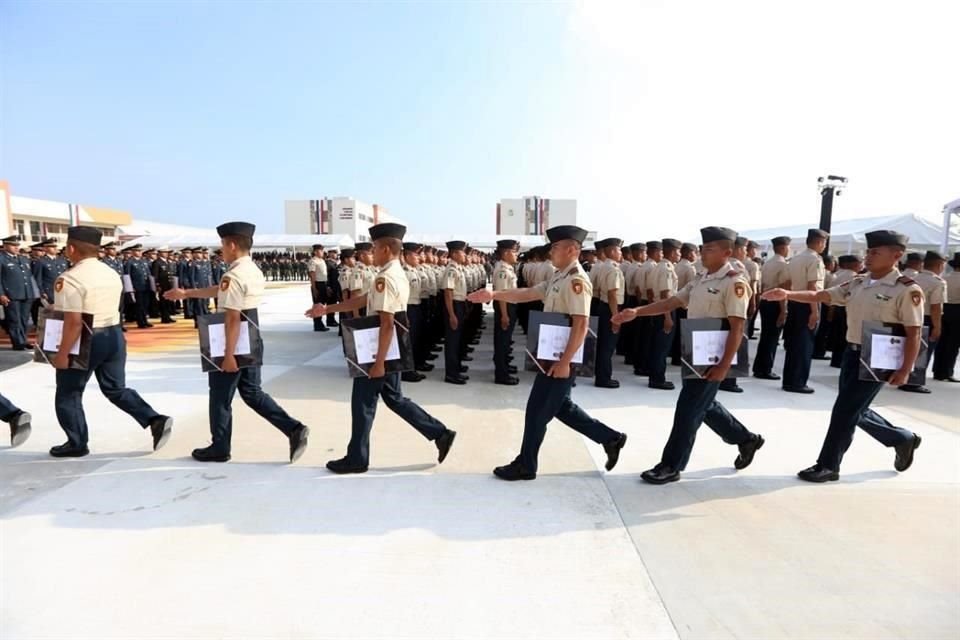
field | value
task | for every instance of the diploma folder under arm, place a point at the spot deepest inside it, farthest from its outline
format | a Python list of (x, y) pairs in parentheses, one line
[(702, 342), (360, 342), (50, 328), (881, 352), (249, 349), (555, 328)]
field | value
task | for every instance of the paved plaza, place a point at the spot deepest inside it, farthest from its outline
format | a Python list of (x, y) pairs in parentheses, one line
[(130, 544)]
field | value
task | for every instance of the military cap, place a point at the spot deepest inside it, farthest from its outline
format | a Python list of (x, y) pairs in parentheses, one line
[(508, 244), (363, 246), (11, 240), (741, 241), (688, 246), (569, 232), (347, 253), (109, 245), (670, 243), (654, 245), (713, 234), (387, 230), (412, 246), (37, 245), (163, 249), (202, 249), (456, 245), (933, 255), (588, 251), (914, 256), (48, 242), (134, 247), (848, 259), (90, 235), (317, 247), (816, 234), (781, 241), (244, 229), (612, 242), (887, 238), (638, 246)]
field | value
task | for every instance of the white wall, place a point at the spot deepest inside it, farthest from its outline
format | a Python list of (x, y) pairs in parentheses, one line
[(297, 217)]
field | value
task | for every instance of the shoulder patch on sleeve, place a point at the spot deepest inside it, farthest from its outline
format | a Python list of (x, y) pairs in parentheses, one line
[(58, 285), (224, 283), (577, 285), (905, 280), (740, 289), (917, 298), (381, 284)]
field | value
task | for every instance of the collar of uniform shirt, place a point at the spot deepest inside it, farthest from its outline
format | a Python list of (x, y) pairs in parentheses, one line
[(890, 278), (388, 265), (239, 260), (80, 262)]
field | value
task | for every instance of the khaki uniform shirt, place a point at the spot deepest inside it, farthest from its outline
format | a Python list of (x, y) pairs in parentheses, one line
[(805, 267), (753, 274), (686, 272), (953, 287), (642, 279), (361, 279), (934, 289), (843, 275), (90, 287), (612, 280), (628, 268), (504, 277), (910, 272), (774, 273), (894, 298), (241, 287), (389, 291), (345, 277), (698, 265), (724, 293), (414, 280), (664, 278), (317, 267), (455, 279), (595, 274), (568, 291)]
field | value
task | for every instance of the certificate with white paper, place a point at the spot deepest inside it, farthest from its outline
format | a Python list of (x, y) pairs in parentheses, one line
[(886, 352), (552, 342), (368, 343), (218, 340), (53, 336), (708, 348)]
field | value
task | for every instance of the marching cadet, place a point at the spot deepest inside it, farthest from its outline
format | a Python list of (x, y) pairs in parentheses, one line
[(567, 292), (411, 261), (610, 293), (164, 271), (806, 274), (849, 266), (665, 283), (16, 292), (719, 292), (504, 313), (317, 268), (139, 270), (934, 294), (882, 295), (386, 298), (333, 285), (18, 420), (363, 274), (686, 273), (945, 357), (454, 285), (91, 287), (239, 292), (773, 315)]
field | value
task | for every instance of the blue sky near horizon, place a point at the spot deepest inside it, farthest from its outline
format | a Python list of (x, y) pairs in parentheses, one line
[(193, 112)]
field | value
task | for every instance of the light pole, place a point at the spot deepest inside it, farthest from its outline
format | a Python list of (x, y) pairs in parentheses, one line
[(829, 186)]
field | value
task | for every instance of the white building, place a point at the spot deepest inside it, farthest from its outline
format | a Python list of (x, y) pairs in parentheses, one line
[(334, 216), (533, 215)]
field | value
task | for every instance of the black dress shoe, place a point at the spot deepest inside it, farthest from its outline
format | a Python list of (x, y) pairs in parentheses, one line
[(67, 450), (514, 471), (511, 369), (914, 388), (412, 376), (666, 385), (333, 323), (732, 388), (904, 457), (345, 465), (464, 368), (613, 451), (639, 372), (455, 379), (426, 366), (509, 380), (823, 357), (209, 454), (803, 389), (467, 358), (431, 356), (444, 442), (948, 379), (816, 473), (145, 326), (660, 474), (298, 442), (607, 384), (747, 451), (322, 329), (20, 428), (766, 376), (436, 348), (160, 428)]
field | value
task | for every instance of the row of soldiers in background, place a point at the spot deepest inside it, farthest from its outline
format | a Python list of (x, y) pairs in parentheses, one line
[(437, 308), (279, 266)]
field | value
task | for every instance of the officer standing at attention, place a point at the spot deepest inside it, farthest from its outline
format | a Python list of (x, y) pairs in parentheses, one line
[(111, 260), (454, 285), (240, 291), (934, 294), (628, 335), (882, 295), (774, 273), (806, 274), (185, 281), (91, 287), (48, 268), (16, 292), (945, 357), (719, 292), (386, 298), (138, 269), (202, 278), (317, 270), (665, 286), (415, 317), (610, 289), (849, 266), (18, 420), (567, 292), (164, 270), (504, 313)]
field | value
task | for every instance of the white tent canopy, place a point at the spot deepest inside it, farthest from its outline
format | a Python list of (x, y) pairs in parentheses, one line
[(261, 242), (849, 236), (482, 242)]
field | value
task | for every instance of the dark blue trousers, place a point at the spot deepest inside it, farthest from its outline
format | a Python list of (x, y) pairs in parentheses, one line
[(851, 410), (769, 337), (661, 343), (696, 405), (142, 307), (108, 361), (452, 339), (17, 321), (363, 408), (838, 337), (502, 339), (606, 344), (549, 399), (798, 342), (945, 357), (247, 381), (415, 320), (7, 408)]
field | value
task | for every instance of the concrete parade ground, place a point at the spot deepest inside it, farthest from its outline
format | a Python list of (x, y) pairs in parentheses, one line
[(128, 544)]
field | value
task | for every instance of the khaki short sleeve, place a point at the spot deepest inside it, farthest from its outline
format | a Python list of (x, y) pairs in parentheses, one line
[(576, 294), (938, 295), (356, 280), (68, 295), (450, 279), (815, 271), (662, 282), (501, 281), (684, 294), (385, 296), (615, 281), (910, 307), (541, 289), (736, 296), (231, 293), (838, 294)]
